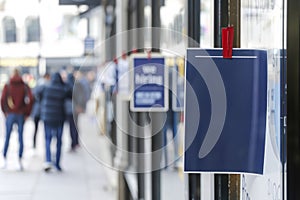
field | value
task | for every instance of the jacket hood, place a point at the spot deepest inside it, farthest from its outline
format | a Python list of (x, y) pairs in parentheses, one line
[(56, 78), (16, 80)]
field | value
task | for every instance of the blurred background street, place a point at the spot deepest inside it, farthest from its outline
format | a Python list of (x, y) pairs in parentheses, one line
[(82, 177)]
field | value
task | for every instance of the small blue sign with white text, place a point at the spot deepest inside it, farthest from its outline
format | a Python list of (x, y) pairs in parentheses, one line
[(149, 80)]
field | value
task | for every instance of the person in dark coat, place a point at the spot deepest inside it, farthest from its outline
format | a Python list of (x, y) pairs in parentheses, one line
[(36, 110), (69, 114), (16, 104), (53, 96), (81, 94)]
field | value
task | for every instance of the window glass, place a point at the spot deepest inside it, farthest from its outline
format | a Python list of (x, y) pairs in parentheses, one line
[(32, 29), (262, 27), (9, 26)]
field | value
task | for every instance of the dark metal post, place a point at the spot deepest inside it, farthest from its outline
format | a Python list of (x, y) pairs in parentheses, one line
[(130, 119), (132, 140), (227, 186), (234, 20), (283, 114), (194, 41), (155, 24), (221, 186), (156, 118), (133, 149), (136, 40), (220, 20), (140, 24), (194, 23), (131, 9), (157, 144), (136, 145), (293, 118), (135, 22), (142, 117), (194, 187), (142, 121)]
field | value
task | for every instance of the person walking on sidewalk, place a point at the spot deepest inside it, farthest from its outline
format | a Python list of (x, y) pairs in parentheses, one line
[(36, 110), (53, 96), (16, 104)]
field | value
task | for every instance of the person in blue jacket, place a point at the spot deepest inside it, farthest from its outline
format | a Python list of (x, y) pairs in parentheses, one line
[(36, 110), (53, 96)]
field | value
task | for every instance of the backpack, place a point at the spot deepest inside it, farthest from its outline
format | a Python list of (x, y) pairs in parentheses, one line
[(9, 103)]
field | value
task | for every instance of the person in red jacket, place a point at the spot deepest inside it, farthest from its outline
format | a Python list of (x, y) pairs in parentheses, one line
[(16, 104)]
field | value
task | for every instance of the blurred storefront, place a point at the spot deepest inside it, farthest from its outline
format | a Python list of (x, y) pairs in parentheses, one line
[(28, 66), (40, 36)]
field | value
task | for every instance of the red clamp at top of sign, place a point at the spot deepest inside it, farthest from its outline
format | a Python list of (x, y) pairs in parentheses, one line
[(227, 41)]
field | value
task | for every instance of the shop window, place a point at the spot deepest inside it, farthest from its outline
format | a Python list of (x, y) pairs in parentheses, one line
[(32, 29), (9, 27)]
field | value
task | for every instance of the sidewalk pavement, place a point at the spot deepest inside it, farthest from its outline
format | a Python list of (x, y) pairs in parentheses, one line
[(83, 178), (85, 173)]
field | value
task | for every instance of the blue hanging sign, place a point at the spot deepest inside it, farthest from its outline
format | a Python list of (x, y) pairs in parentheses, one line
[(150, 80), (225, 111), (89, 45)]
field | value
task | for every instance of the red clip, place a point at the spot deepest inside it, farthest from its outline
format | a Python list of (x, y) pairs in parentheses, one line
[(227, 41)]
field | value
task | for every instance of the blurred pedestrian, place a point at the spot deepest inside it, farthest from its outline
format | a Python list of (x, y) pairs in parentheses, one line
[(16, 104), (81, 95), (84, 82), (53, 96), (122, 71), (36, 110), (171, 123), (69, 114), (109, 85)]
